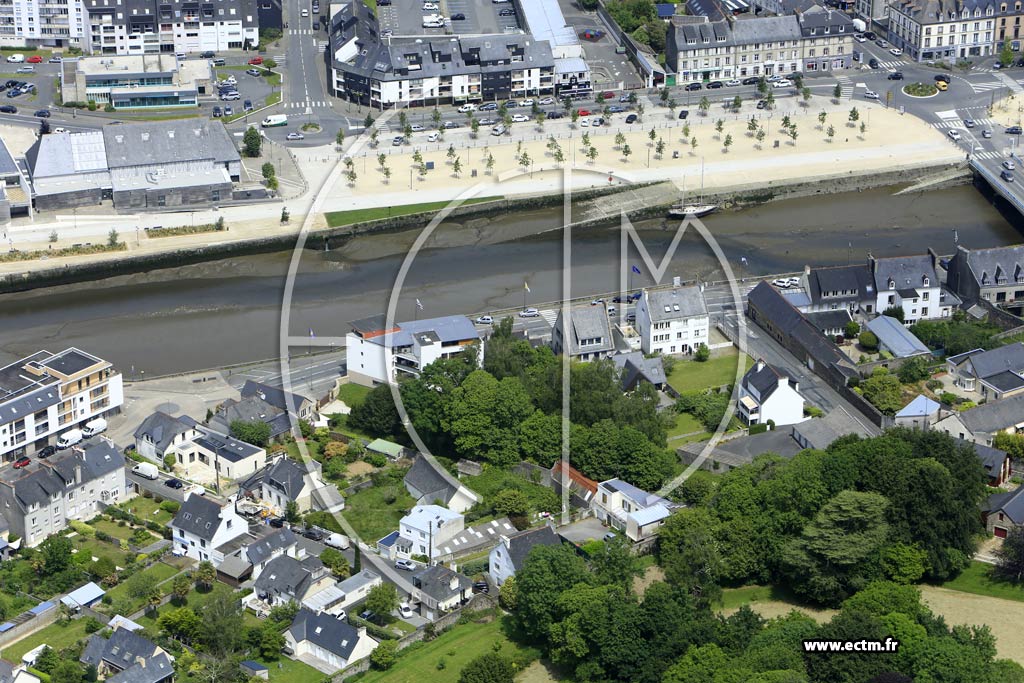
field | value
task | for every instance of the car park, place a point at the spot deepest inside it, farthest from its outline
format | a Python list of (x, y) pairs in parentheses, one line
[(42, 114), (254, 72), (520, 118), (21, 462), (405, 565), (954, 135), (8, 109), (895, 76), (217, 112), (714, 85), (631, 118), (1007, 176), (295, 136), (529, 313), (693, 86)]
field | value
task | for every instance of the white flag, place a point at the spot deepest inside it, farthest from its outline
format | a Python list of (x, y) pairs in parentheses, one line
[(526, 286), (419, 305)]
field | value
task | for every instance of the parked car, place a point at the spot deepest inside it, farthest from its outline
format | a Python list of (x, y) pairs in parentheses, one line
[(295, 136), (405, 610), (174, 483), (56, 59), (8, 109), (584, 112), (405, 565), (782, 83), (481, 587), (254, 72), (217, 112), (276, 522), (781, 283), (714, 85), (631, 118), (46, 452), (895, 52), (228, 111), (43, 114), (35, 59), (23, 461), (489, 106), (230, 96), (520, 118), (247, 105), (256, 61), (506, 12), (314, 534), (26, 70), (316, 25), (733, 82), (624, 97), (683, 113), (529, 313), (693, 86), (208, 54), (860, 38), (545, 101), (1009, 165), (485, 320), (1013, 130), (555, 115), (751, 80), (881, 43), (458, 16)]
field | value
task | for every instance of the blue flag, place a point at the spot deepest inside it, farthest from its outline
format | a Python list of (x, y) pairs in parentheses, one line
[(636, 270)]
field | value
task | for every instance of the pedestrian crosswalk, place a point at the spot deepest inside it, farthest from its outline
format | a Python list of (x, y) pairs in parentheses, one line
[(301, 31), (958, 123), (986, 86), (1013, 85), (550, 316), (846, 84), (306, 104), (280, 59), (895, 65), (988, 155), (322, 46)]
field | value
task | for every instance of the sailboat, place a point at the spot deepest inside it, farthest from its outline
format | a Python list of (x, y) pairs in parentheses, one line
[(698, 210)]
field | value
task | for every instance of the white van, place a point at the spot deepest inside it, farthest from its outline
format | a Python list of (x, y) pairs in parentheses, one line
[(147, 470), (339, 541), (94, 427), (275, 120), (16, 58), (69, 439)]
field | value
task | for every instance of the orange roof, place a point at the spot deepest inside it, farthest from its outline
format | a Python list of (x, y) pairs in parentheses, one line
[(575, 475)]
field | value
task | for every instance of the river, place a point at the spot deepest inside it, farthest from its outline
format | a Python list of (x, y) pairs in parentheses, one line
[(224, 312)]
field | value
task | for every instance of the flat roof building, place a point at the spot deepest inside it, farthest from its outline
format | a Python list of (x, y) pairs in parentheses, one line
[(135, 81)]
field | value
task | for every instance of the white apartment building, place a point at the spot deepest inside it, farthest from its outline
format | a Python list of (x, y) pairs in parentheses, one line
[(672, 321), (38, 500), (41, 23), (428, 527), (47, 394), (947, 30), (377, 355)]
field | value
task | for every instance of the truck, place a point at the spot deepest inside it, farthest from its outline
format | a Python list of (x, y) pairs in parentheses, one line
[(69, 439), (275, 120), (859, 25), (147, 470), (94, 427), (339, 541)]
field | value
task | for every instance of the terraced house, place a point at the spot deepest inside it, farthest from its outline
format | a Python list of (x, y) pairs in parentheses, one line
[(945, 29)]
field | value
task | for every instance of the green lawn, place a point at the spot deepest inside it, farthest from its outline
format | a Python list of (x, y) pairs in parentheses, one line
[(160, 571), (338, 218), (353, 394), (99, 549), (272, 98), (748, 595), (457, 648), (45, 54), (371, 517), (312, 447), (147, 509), (58, 635), (685, 424), (977, 579), (286, 670), (689, 375), (112, 528)]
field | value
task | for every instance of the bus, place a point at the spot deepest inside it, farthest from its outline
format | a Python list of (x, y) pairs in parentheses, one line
[(275, 120)]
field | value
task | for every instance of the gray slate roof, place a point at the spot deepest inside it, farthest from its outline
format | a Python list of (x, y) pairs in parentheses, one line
[(994, 416), (992, 459), (120, 651), (161, 429), (634, 367), (428, 482), (42, 479), (251, 409), (199, 516), (520, 545), (332, 634), (853, 278), (151, 670), (436, 581), (763, 378), (286, 576), (820, 432), (1010, 503), (286, 476), (935, 11), (675, 304), (275, 396), (828, 320), (260, 550), (906, 272), (988, 265), (588, 322), (1009, 358), (162, 142), (897, 338), (227, 447)]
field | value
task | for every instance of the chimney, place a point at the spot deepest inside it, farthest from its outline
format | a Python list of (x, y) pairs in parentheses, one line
[(935, 259), (453, 583), (78, 473), (760, 364), (807, 271)]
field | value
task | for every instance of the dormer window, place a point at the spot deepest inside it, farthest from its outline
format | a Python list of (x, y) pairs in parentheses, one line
[(892, 284), (924, 281)]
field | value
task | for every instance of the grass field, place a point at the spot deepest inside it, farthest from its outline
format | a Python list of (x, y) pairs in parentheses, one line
[(720, 369), (148, 509), (286, 670), (312, 447), (338, 218), (58, 635), (99, 549), (117, 531), (352, 395), (371, 517), (685, 424), (977, 579), (159, 571), (457, 648)]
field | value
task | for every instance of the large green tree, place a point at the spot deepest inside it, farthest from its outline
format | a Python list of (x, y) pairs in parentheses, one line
[(488, 668), (546, 573), (483, 417), (255, 432)]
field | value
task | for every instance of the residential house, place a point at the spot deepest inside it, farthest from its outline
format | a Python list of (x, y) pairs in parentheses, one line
[(672, 321), (202, 526), (581, 488), (260, 553), (16, 673), (767, 395), (832, 324), (996, 463), (287, 481), (995, 275), (634, 367), (895, 338), (631, 510), (981, 423), (995, 374), (287, 579), (920, 413), (911, 283), (945, 30), (378, 354), (509, 555), (251, 409), (159, 434), (127, 656), (589, 334), (330, 641), (429, 482), (428, 527), (1004, 511), (39, 500), (46, 394), (835, 288), (212, 457), (439, 590), (819, 433), (357, 587), (302, 407)]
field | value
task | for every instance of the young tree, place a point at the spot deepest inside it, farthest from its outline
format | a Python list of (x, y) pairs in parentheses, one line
[(407, 131), (457, 167), (626, 151), (854, 115), (686, 132), (659, 148), (752, 125), (525, 161), (793, 133), (863, 128), (651, 135), (113, 239), (374, 134), (382, 600), (489, 163), (620, 140), (387, 174), (672, 106), (1006, 54), (435, 116), (451, 153), (574, 116), (759, 135), (339, 139), (586, 139), (719, 125), (837, 92), (762, 86), (805, 93), (267, 170), (205, 575), (539, 118), (640, 110), (727, 142), (251, 142), (664, 94), (180, 587), (251, 431), (291, 512), (368, 121), (704, 105), (821, 119), (489, 667), (693, 145), (335, 561), (769, 101), (474, 127), (382, 161), (417, 158), (592, 154), (830, 132), (737, 102), (558, 156), (422, 170), (385, 655)]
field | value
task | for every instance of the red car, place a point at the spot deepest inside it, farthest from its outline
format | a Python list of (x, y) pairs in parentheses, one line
[(584, 112), (608, 94), (35, 59), (256, 61), (23, 461)]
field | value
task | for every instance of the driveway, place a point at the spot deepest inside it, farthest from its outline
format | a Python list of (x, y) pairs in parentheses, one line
[(589, 529)]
